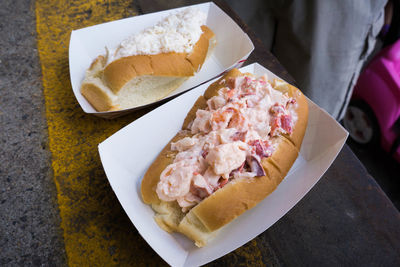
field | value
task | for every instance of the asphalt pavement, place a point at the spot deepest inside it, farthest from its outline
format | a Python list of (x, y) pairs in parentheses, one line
[(30, 232)]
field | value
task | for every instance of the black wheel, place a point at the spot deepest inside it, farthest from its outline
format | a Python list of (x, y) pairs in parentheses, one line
[(361, 123)]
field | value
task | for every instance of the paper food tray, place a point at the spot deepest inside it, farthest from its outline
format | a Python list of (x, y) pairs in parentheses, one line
[(127, 154), (232, 49)]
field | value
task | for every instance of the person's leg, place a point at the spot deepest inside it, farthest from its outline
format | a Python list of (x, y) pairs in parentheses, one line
[(258, 16), (323, 45)]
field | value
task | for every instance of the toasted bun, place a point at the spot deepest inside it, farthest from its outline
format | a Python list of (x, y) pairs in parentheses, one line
[(138, 80), (225, 204)]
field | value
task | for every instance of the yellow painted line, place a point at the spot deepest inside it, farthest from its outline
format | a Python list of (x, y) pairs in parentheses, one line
[(97, 232)]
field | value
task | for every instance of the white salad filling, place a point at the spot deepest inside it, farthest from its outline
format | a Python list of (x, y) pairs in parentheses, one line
[(178, 33), (230, 138)]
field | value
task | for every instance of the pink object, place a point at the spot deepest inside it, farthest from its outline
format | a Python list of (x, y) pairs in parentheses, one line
[(379, 87)]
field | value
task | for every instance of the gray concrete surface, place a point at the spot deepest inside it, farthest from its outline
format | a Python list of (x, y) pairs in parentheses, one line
[(30, 233)]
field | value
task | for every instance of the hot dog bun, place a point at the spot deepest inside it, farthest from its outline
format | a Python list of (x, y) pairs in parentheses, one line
[(143, 70), (224, 205)]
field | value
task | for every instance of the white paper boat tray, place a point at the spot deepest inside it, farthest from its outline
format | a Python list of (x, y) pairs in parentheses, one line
[(232, 49), (127, 154)]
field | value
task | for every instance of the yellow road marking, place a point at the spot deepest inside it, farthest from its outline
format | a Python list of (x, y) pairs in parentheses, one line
[(96, 230)]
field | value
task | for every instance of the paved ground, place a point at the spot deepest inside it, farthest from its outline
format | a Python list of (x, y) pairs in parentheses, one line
[(382, 167), (30, 232)]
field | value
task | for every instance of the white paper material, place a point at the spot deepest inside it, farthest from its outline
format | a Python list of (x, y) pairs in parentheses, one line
[(127, 154), (232, 49)]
